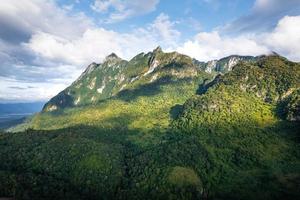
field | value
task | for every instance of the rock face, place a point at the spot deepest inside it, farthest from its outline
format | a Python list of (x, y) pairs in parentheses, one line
[(225, 64), (292, 106)]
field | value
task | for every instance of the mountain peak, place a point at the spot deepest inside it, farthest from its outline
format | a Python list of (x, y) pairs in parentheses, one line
[(274, 53), (111, 57), (157, 49)]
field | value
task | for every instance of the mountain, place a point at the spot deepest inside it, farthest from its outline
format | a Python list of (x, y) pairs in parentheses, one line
[(102, 81), (161, 127)]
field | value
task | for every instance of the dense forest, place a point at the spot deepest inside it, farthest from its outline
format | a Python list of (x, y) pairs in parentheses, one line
[(170, 130)]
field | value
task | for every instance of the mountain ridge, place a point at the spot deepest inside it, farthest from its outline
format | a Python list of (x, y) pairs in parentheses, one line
[(117, 74)]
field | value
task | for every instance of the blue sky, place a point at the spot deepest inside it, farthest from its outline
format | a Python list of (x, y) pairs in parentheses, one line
[(191, 16), (194, 15), (46, 44)]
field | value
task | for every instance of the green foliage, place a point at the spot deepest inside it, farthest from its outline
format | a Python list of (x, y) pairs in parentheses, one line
[(158, 139), (241, 134), (184, 177), (145, 107), (240, 128), (271, 78)]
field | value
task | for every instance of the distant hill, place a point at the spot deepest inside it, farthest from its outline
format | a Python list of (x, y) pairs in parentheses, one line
[(19, 108), (12, 114)]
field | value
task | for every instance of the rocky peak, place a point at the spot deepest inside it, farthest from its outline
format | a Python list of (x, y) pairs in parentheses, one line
[(157, 50), (273, 53), (111, 57), (87, 71), (91, 67), (153, 60)]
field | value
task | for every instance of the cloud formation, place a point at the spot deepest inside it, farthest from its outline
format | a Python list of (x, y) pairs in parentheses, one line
[(19, 64), (18, 21), (211, 45), (96, 43), (166, 29), (283, 39), (10, 91), (123, 9), (264, 16)]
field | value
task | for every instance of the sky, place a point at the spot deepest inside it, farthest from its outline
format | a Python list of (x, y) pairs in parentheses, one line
[(46, 44)]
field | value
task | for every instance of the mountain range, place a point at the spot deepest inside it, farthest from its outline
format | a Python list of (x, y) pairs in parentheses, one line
[(162, 126), (102, 81)]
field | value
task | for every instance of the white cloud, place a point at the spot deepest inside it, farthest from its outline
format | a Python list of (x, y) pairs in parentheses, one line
[(263, 16), (31, 88), (20, 66), (31, 16), (97, 43), (209, 46), (122, 9), (284, 39), (10, 90), (166, 29), (93, 46)]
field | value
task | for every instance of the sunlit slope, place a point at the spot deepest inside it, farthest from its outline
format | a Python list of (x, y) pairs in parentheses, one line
[(144, 93), (145, 107), (114, 75), (240, 123), (180, 135)]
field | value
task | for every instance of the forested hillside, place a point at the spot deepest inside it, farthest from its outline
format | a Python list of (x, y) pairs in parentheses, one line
[(162, 126)]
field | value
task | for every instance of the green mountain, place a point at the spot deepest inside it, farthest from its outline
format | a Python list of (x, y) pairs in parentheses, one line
[(102, 81), (162, 126)]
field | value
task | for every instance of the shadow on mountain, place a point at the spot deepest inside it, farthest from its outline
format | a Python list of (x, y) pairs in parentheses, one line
[(62, 100), (149, 89), (207, 83), (175, 111), (229, 161), (80, 162)]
